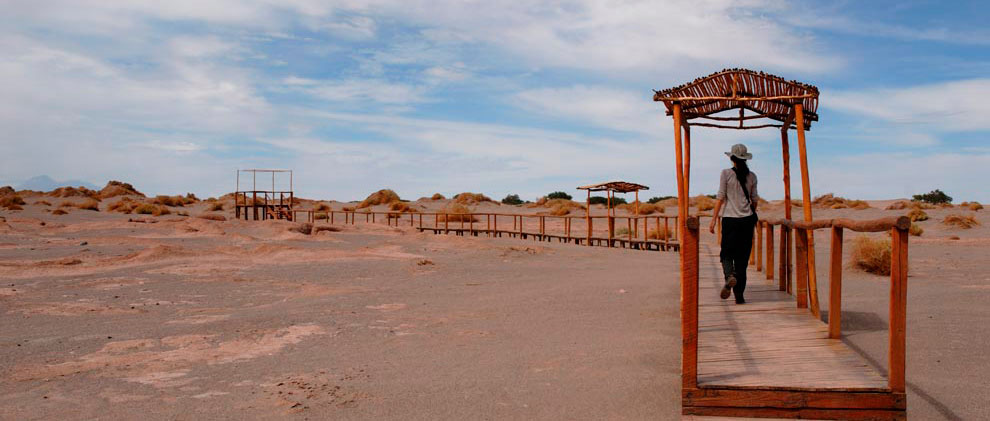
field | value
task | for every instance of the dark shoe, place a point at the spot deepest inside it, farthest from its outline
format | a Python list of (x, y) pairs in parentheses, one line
[(727, 288), (741, 301)]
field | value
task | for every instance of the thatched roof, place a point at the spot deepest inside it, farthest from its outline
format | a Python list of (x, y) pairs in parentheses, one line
[(764, 95), (616, 186)]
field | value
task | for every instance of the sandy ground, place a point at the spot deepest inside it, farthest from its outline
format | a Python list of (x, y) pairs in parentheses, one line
[(181, 317)]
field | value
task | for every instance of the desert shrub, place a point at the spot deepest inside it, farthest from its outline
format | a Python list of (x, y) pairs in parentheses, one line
[(599, 200), (42, 202), (934, 197), (12, 200), (381, 197), (512, 199), (151, 209), (457, 212), (832, 201), (559, 207), (7, 191), (644, 208), (319, 228), (191, 198), (124, 205), (304, 228), (212, 217), (90, 204), (348, 209), (72, 192), (116, 188), (659, 233), (917, 215), (182, 213), (871, 255), (898, 205), (401, 207), (215, 206), (973, 206), (961, 221), (437, 196), (59, 212), (704, 203), (320, 207), (657, 199), (916, 230), (174, 201), (622, 232), (559, 195), (468, 198), (66, 204)]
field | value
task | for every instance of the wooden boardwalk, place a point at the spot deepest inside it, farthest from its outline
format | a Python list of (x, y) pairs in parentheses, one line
[(636, 244)]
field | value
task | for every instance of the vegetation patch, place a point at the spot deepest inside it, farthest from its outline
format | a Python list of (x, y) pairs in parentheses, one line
[(381, 197), (116, 188), (916, 230), (457, 212), (512, 199), (871, 254), (917, 215), (151, 209), (934, 197), (468, 198), (832, 201), (437, 196), (961, 221)]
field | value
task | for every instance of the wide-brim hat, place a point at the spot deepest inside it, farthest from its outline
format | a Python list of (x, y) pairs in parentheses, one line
[(739, 151)]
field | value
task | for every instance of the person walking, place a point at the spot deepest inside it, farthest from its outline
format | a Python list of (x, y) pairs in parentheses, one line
[(737, 200)]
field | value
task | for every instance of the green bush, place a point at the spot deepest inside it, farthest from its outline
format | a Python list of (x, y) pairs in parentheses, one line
[(559, 195), (600, 200), (934, 197), (659, 198), (512, 199)]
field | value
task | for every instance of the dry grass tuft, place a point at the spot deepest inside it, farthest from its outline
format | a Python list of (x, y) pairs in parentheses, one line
[(922, 205), (871, 255), (898, 205), (215, 206), (917, 215), (329, 228), (151, 209), (953, 237), (381, 197), (66, 204), (304, 228), (124, 205), (832, 201), (659, 233), (118, 188), (961, 221), (401, 207), (212, 217), (457, 212), (59, 212), (348, 209), (43, 202), (973, 206), (73, 192), (90, 204), (644, 208), (622, 232), (468, 198), (12, 202), (703, 203), (175, 201), (322, 207), (916, 230), (558, 207), (437, 196)]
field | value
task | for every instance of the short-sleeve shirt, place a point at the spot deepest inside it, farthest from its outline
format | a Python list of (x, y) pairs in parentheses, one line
[(735, 203)]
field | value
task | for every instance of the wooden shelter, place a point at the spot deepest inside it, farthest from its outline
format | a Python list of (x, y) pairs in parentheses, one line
[(610, 188), (741, 99), (263, 204)]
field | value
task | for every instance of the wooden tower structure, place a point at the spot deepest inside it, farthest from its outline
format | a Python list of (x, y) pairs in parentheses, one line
[(263, 204)]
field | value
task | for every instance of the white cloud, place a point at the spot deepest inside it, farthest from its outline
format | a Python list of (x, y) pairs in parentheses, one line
[(948, 106), (599, 106), (356, 90)]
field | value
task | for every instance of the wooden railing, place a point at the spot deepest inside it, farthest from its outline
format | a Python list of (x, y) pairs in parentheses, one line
[(805, 282), (272, 204), (579, 229)]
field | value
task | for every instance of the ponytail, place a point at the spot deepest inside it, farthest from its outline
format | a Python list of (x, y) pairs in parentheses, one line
[(741, 170)]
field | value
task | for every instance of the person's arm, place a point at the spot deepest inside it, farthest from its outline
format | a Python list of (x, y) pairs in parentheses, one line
[(718, 207), (756, 196)]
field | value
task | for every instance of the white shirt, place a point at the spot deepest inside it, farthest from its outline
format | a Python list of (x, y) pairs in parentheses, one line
[(735, 203)]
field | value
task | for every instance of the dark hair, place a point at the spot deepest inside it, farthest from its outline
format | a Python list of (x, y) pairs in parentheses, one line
[(741, 170)]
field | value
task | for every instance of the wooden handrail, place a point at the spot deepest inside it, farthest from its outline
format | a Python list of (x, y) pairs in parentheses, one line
[(870, 225)]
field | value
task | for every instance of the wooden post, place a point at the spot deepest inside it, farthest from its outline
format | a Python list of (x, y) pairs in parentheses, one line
[(898, 309), (495, 224), (689, 305), (587, 217), (679, 166), (611, 229), (782, 264), (666, 231), (806, 204), (759, 246), (687, 159), (446, 223), (835, 286), (637, 213), (801, 266), (769, 252)]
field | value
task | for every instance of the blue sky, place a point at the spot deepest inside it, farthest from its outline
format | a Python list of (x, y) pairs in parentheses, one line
[(497, 97)]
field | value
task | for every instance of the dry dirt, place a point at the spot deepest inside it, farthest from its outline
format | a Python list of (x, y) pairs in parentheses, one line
[(180, 317)]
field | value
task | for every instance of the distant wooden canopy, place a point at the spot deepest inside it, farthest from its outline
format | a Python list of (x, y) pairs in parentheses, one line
[(615, 186), (768, 96)]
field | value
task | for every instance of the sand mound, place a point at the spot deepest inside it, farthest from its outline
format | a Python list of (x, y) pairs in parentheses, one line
[(68, 191), (456, 212), (832, 201), (558, 207), (468, 198), (116, 188), (381, 197), (7, 191)]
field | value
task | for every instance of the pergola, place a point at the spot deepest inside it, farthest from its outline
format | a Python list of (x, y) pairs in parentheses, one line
[(742, 99), (610, 188)]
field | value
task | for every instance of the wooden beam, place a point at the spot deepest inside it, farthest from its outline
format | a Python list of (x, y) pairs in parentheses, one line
[(806, 204), (687, 160), (835, 286), (764, 398), (801, 267), (731, 98), (898, 309), (769, 252), (689, 304), (679, 166)]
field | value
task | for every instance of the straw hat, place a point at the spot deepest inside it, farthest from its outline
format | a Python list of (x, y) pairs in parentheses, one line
[(739, 151)]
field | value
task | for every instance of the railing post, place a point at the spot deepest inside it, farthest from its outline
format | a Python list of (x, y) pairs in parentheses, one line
[(689, 305), (611, 229), (835, 286), (801, 265), (769, 252), (898, 309)]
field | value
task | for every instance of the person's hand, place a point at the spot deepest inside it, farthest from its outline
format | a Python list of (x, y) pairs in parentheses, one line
[(711, 227)]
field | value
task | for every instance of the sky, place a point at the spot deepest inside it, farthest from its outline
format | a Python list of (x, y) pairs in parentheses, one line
[(496, 97)]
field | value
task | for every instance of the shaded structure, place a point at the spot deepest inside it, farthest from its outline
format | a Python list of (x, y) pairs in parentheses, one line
[(610, 188), (738, 385), (263, 204)]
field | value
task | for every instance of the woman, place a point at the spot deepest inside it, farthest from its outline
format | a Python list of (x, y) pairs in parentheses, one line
[(737, 194)]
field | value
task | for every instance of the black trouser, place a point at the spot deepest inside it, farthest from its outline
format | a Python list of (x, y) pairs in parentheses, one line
[(737, 243)]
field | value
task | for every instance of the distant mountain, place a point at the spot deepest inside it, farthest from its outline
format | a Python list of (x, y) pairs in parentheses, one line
[(46, 183)]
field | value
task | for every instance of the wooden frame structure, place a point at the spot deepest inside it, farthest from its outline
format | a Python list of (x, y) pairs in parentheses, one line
[(263, 204), (610, 188), (722, 100)]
